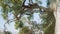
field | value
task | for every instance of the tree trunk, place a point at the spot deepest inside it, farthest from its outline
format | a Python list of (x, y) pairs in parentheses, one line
[(57, 17)]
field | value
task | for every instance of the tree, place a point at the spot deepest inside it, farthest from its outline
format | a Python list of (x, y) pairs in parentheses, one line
[(55, 4), (57, 27), (7, 32), (25, 30), (18, 9)]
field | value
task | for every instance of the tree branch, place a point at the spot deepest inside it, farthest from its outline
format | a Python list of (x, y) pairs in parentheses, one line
[(31, 7)]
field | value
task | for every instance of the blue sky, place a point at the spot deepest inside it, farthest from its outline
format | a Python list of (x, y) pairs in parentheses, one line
[(11, 26)]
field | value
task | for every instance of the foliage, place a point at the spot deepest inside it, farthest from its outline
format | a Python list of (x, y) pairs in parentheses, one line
[(15, 7), (18, 24), (48, 23), (25, 30), (7, 32)]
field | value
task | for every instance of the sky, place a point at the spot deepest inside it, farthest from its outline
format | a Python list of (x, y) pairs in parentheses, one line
[(11, 26)]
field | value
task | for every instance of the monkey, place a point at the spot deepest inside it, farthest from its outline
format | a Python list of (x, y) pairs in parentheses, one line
[(30, 1), (25, 6), (22, 9), (30, 4), (33, 4)]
